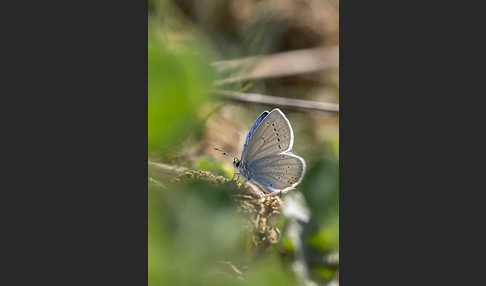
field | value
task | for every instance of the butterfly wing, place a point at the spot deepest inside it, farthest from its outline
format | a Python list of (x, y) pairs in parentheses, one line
[(252, 130), (267, 154), (273, 135), (278, 172)]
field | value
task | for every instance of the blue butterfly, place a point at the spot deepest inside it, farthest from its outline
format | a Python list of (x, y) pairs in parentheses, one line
[(266, 158)]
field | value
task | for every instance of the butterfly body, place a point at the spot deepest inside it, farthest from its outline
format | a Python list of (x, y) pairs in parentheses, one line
[(266, 158)]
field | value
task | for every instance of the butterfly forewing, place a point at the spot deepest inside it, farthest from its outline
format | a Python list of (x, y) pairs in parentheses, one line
[(252, 130), (274, 135)]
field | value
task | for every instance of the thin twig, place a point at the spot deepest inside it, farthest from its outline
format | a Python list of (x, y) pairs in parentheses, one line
[(290, 103), (239, 274), (167, 173), (166, 169), (157, 183), (278, 65)]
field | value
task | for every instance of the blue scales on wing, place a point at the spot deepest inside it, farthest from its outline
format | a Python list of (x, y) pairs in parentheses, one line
[(252, 130)]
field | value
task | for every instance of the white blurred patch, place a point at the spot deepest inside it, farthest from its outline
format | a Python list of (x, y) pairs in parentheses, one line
[(295, 207)]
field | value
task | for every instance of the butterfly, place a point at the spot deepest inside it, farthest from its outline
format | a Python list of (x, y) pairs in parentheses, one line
[(266, 158)]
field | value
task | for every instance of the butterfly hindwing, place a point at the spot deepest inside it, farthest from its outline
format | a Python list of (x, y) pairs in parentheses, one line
[(278, 172)]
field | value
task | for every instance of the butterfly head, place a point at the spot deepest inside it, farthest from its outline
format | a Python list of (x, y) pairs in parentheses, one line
[(236, 163)]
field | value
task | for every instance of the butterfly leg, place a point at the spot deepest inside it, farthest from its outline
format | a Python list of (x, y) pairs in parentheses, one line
[(238, 179), (236, 174), (277, 193)]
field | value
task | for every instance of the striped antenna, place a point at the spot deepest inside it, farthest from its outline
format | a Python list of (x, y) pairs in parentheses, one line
[(225, 153)]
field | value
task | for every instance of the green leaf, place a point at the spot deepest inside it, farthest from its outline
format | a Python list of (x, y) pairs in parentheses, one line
[(178, 84)]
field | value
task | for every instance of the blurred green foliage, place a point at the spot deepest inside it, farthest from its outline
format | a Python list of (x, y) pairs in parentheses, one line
[(193, 230), (216, 167), (178, 84), (327, 237), (320, 188)]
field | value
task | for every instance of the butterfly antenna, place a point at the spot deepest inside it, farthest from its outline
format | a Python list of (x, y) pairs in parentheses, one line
[(225, 153)]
